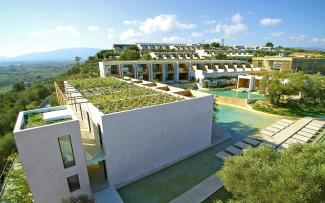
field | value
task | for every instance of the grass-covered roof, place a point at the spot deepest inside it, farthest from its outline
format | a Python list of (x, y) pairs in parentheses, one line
[(113, 95)]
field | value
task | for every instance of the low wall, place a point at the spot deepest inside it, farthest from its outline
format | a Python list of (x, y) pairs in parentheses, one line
[(231, 100)]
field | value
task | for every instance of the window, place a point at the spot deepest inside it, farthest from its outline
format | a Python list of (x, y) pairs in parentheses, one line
[(66, 151), (73, 182)]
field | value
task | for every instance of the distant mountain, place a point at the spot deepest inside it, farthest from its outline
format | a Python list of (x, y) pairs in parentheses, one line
[(56, 55), (313, 48)]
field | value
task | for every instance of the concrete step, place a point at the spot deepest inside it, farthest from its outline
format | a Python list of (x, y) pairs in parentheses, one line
[(251, 141), (234, 150), (241, 145), (222, 155), (266, 132), (272, 129)]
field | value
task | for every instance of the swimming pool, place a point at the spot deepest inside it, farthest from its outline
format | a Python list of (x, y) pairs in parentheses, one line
[(233, 93), (169, 183)]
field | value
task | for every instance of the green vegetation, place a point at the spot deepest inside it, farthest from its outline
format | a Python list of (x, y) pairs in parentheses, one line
[(269, 44), (289, 108), (36, 120), (29, 73), (80, 199), (112, 95), (292, 94), (29, 96), (17, 189), (265, 174)]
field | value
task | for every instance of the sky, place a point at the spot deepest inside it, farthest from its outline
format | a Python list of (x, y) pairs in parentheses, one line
[(44, 25)]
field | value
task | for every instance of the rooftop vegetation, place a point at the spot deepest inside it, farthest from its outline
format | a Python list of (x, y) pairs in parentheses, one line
[(36, 119), (113, 95)]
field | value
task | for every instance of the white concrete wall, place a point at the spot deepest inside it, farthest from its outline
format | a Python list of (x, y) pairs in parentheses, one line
[(102, 71), (141, 141), (39, 152)]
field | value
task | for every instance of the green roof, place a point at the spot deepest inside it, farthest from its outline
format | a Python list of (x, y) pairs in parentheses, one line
[(36, 119), (113, 95)]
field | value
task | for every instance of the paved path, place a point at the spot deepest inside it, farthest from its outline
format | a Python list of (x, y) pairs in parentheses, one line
[(286, 133), (201, 191)]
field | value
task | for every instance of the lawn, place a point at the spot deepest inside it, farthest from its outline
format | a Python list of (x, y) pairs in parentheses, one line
[(290, 108)]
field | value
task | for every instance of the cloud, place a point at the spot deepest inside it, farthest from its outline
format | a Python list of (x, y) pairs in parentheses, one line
[(306, 39), (270, 21), (68, 30), (196, 34), (174, 39), (299, 38), (277, 34), (163, 24), (210, 21), (93, 28), (110, 33), (218, 28), (236, 18), (317, 40), (36, 34), (64, 30), (130, 35), (233, 30), (215, 40), (130, 22)]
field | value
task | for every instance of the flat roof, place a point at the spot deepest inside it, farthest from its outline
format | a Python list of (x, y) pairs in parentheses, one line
[(111, 95), (174, 61), (42, 117)]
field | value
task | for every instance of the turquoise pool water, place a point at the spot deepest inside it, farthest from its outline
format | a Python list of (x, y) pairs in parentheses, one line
[(232, 93), (169, 183)]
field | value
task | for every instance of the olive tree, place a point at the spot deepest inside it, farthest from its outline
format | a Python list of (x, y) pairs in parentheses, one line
[(264, 174)]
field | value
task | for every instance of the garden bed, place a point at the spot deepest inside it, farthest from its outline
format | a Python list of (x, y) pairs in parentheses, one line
[(113, 95), (291, 109)]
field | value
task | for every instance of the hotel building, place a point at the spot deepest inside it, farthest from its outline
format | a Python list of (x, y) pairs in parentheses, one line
[(108, 133)]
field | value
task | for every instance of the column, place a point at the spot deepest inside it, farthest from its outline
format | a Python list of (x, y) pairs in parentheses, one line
[(136, 71), (164, 72), (176, 72)]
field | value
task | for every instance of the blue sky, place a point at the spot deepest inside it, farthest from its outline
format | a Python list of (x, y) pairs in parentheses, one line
[(34, 25)]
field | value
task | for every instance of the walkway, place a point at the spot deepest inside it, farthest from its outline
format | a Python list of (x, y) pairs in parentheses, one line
[(108, 194), (201, 191)]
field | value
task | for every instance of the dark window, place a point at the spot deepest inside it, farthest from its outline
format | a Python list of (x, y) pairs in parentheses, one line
[(66, 151), (73, 182)]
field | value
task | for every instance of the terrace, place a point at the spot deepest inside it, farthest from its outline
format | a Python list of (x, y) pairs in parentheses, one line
[(111, 95), (41, 117)]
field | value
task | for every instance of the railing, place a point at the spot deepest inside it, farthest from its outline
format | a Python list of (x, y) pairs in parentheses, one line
[(62, 100), (6, 172)]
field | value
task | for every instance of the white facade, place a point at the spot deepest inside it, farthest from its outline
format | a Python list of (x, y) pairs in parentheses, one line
[(133, 143), (141, 141), (181, 69), (39, 152)]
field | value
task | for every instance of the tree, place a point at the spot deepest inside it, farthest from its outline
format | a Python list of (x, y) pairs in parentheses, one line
[(77, 60), (206, 46), (19, 86), (269, 44), (220, 56), (129, 55), (265, 174), (215, 44), (146, 56)]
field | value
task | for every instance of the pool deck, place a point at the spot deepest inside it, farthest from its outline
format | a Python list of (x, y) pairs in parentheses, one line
[(201, 191)]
